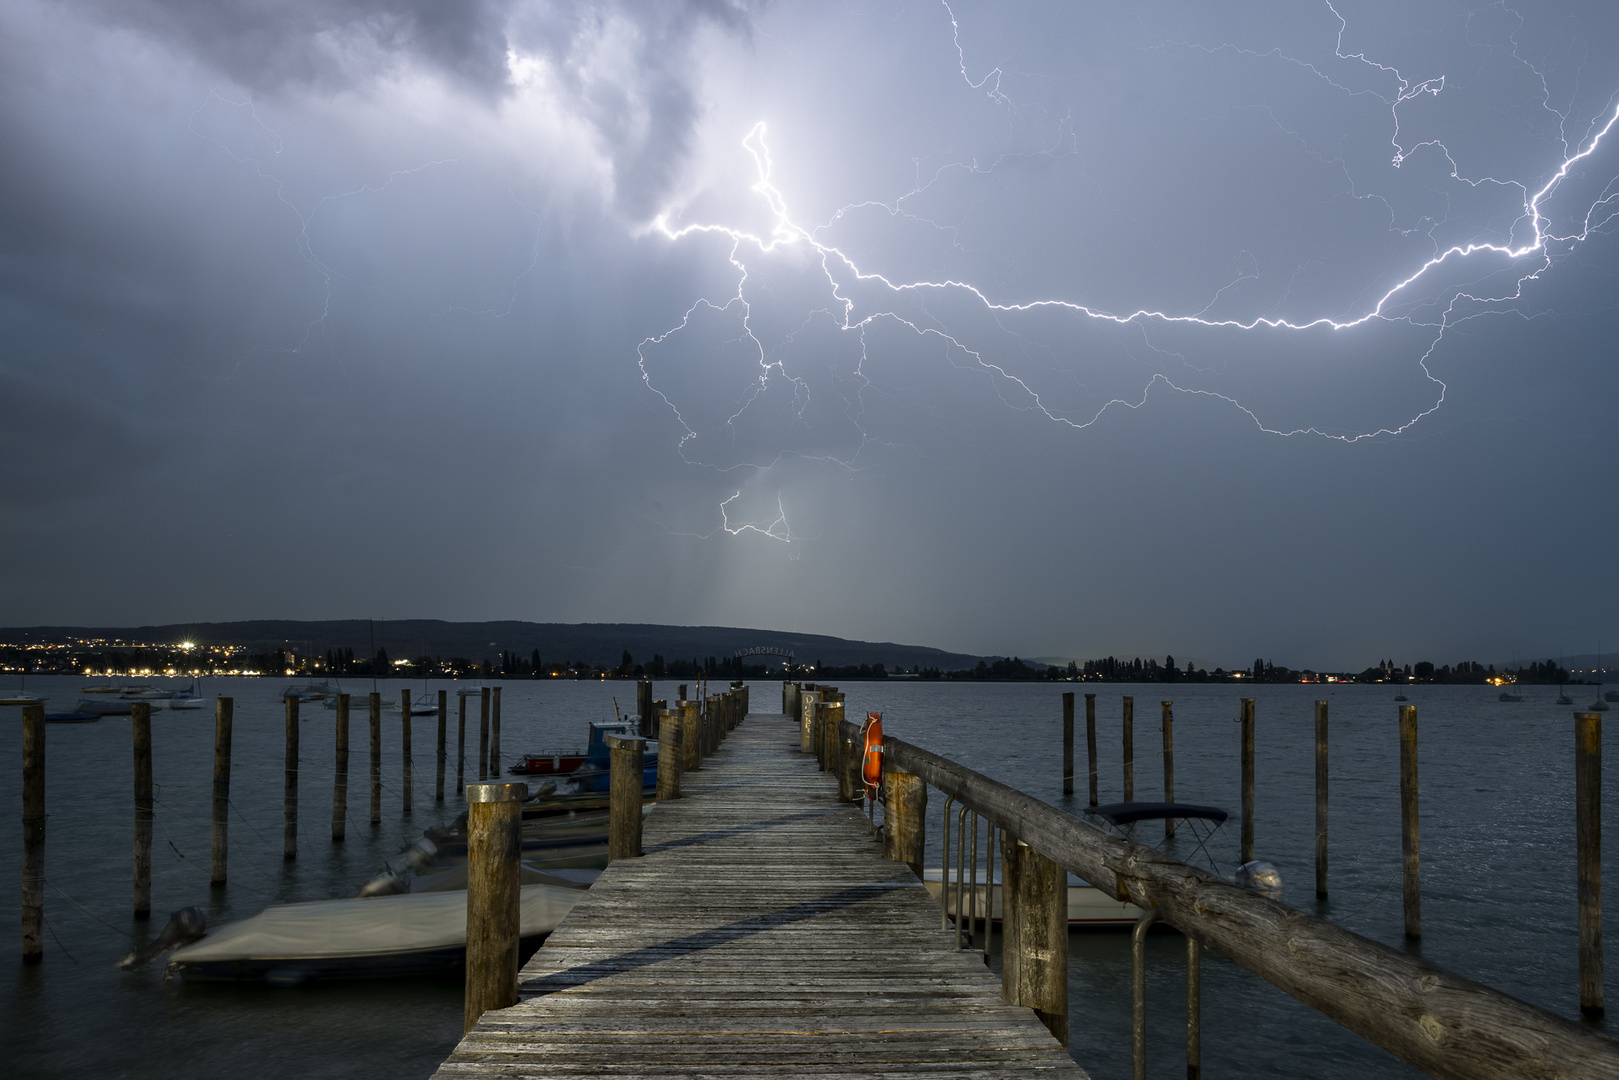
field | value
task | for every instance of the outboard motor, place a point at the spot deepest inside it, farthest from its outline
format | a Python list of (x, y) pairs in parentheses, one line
[(1260, 877), (184, 927), (387, 883)]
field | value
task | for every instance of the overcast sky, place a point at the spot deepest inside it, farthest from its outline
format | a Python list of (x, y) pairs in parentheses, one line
[(1062, 329)]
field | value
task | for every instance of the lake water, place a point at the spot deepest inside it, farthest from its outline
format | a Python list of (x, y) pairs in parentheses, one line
[(1497, 864)]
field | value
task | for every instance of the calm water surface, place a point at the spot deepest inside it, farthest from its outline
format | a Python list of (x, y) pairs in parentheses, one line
[(1497, 850)]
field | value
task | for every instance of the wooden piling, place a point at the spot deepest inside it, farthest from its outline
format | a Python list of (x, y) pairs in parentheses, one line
[(1068, 743), (1588, 845), (626, 758), (690, 744), (643, 707), (140, 727), (807, 699), (289, 785), (670, 754), (682, 695), (443, 722), (404, 733), (33, 833), (1129, 749), (1321, 800), (1168, 713), (1090, 740), (1247, 717), (219, 840), (494, 731), (905, 811), (1410, 857), (461, 744), (1034, 934), (375, 702), (494, 910), (340, 774), (483, 734)]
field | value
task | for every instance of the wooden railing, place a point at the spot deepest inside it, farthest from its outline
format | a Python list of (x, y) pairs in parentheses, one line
[(1446, 1025)]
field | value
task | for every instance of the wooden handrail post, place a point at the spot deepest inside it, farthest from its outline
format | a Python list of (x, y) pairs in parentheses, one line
[(848, 763), (626, 757), (1034, 934), (494, 731), (1138, 994), (340, 775), (443, 723), (690, 738), (1410, 857), (1194, 1010), (483, 734), (1068, 743), (404, 732), (219, 839), (1588, 842), (1129, 749), (1090, 740), (1247, 718), (1169, 763), (905, 811), (375, 701), (140, 727), (806, 719), (494, 899), (1321, 800), (289, 787), (670, 755), (33, 833)]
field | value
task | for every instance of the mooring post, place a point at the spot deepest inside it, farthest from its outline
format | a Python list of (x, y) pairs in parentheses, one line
[(905, 809), (1588, 842), (1169, 763), (807, 700), (461, 744), (669, 754), (1410, 856), (340, 774), (494, 731), (483, 734), (375, 702), (1321, 800), (690, 743), (224, 710), (626, 763), (1068, 743), (443, 722), (33, 833), (1034, 934), (140, 726), (1090, 740), (849, 784), (404, 731), (1247, 717), (1129, 749), (643, 707), (494, 900), (289, 789), (682, 695)]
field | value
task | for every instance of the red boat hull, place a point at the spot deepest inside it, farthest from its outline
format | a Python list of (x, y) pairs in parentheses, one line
[(532, 764)]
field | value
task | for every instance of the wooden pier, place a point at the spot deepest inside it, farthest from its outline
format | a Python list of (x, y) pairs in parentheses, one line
[(761, 934)]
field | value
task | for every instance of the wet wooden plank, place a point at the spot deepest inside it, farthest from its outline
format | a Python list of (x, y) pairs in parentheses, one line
[(762, 935)]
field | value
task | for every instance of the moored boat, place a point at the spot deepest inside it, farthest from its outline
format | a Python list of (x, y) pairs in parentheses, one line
[(70, 717), (376, 937)]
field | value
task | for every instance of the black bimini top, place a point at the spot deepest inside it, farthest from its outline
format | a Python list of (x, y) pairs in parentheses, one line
[(1123, 813)]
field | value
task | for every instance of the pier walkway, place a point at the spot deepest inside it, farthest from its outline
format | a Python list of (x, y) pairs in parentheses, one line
[(762, 934)]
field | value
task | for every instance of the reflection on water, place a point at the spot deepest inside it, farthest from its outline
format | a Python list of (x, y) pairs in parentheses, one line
[(1497, 798)]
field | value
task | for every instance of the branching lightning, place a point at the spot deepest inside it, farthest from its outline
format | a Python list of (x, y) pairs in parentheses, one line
[(1531, 248)]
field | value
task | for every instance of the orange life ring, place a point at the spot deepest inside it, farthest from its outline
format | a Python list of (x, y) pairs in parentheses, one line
[(871, 754)]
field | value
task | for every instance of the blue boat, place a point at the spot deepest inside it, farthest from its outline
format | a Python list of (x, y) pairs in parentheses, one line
[(594, 774)]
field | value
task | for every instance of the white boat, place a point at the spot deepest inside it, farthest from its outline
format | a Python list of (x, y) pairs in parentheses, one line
[(309, 691), (1088, 906), (21, 696), (188, 698), (378, 937), (118, 706)]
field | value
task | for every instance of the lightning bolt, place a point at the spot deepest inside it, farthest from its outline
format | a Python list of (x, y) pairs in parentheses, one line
[(1531, 248)]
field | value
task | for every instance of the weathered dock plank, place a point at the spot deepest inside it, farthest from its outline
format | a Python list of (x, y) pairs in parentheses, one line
[(762, 935)]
